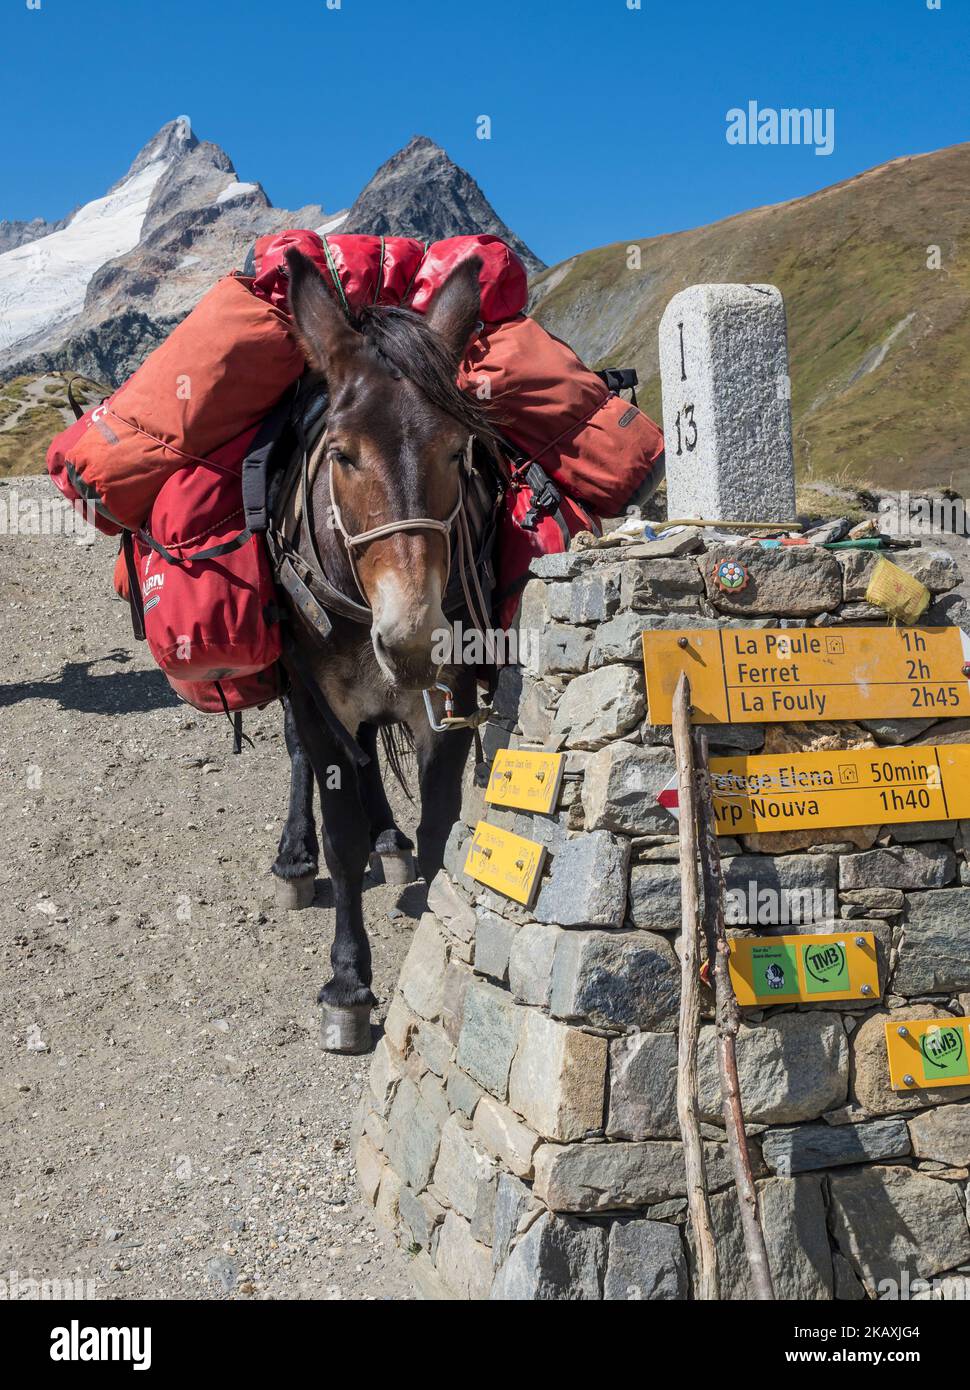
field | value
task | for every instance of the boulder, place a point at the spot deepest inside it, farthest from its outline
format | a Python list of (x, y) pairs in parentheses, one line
[(793, 1066), (558, 1259), (934, 957), (617, 980), (793, 581), (890, 1220), (602, 705), (558, 1078), (645, 1262)]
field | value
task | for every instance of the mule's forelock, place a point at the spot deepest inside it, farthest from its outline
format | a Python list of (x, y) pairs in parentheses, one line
[(407, 346), (425, 349)]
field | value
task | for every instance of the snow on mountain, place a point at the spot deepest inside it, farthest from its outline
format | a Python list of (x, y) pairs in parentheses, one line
[(43, 283), (97, 292)]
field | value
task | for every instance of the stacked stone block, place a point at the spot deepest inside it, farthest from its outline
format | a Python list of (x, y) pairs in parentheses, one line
[(520, 1135)]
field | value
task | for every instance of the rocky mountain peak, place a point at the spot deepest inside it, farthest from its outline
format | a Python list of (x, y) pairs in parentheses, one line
[(421, 192), (171, 142), (178, 220)]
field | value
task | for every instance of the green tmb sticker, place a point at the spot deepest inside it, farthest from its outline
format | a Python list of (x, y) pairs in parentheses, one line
[(944, 1053), (774, 970), (826, 967)]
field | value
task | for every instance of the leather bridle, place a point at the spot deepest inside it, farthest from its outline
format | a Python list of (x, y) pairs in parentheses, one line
[(391, 528)]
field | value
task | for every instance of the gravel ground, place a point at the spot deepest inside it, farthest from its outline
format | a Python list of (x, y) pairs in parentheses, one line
[(169, 1125)]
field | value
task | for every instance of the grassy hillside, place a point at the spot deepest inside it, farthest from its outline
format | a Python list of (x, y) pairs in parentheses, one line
[(880, 343), (32, 410)]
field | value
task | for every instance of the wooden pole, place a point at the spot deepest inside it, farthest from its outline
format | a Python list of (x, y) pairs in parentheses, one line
[(690, 1008), (728, 1019)]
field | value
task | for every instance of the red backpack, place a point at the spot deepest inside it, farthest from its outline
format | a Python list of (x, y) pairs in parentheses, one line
[(207, 592)]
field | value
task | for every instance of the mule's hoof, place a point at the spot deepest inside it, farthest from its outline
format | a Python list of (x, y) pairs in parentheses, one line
[(346, 1030), (393, 868), (294, 894)]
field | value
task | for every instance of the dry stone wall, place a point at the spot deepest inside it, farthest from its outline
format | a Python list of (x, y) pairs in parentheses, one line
[(519, 1135)]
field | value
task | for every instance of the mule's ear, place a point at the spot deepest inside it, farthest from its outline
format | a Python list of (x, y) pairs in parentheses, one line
[(455, 308), (325, 334)]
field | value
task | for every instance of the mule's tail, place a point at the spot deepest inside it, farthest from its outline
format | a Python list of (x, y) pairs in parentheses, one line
[(398, 744)]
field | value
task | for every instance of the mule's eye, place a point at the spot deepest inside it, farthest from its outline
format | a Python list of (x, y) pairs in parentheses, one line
[(343, 459)]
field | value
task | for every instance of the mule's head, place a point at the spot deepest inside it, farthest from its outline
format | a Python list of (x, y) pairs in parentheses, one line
[(395, 441)]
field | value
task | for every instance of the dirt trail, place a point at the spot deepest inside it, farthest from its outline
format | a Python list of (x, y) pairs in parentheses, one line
[(169, 1126)]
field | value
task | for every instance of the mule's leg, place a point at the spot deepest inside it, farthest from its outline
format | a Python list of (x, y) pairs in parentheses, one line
[(346, 998), (299, 850), (391, 860), (441, 762)]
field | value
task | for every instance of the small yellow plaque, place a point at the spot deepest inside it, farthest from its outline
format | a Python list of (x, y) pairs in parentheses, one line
[(528, 780), (506, 862), (752, 676), (806, 969), (928, 1052)]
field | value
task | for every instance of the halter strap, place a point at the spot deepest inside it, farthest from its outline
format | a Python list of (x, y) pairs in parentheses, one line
[(390, 528)]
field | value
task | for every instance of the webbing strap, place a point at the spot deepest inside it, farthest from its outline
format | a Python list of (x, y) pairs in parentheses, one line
[(213, 553), (331, 266), (380, 275), (407, 293)]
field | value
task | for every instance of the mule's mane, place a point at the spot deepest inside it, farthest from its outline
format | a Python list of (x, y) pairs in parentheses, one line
[(407, 346)]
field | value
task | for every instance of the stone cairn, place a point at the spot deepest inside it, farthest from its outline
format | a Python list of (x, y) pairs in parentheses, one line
[(519, 1134)]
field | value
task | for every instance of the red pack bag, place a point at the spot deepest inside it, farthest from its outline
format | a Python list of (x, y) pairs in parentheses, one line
[(232, 695), (369, 269), (594, 445), (218, 373), (547, 534), (393, 270), (207, 589)]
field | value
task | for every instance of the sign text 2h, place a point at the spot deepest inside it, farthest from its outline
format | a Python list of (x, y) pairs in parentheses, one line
[(772, 675)]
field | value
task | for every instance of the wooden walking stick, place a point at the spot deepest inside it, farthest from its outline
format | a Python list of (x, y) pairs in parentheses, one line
[(728, 1019), (690, 1009)]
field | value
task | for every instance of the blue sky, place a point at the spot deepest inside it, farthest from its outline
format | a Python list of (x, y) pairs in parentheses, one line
[(608, 122)]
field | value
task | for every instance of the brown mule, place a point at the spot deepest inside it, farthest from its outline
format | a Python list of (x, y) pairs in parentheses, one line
[(380, 525)]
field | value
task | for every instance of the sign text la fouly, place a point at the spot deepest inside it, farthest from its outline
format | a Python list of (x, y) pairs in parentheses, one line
[(760, 676)]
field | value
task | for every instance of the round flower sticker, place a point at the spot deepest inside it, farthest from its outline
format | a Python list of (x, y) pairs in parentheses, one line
[(730, 576)]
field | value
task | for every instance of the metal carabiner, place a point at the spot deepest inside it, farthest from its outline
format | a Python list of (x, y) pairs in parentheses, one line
[(449, 714)]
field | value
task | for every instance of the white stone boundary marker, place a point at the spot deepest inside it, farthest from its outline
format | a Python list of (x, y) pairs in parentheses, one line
[(727, 404)]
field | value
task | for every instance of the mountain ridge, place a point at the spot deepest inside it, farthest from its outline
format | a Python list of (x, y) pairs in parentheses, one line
[(874, 332), (95, 291)]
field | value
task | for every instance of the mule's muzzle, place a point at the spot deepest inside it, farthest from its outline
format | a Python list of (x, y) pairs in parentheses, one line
[(407, 666), (406, 636)]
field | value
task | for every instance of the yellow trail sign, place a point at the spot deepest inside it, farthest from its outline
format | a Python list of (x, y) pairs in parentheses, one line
[(752, 676), (529, 780), (503, 861), (851, 786), (928, 1052), (809, 968)]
